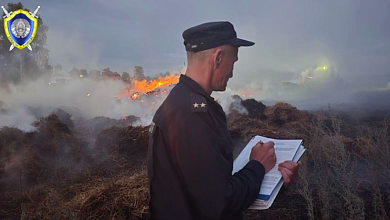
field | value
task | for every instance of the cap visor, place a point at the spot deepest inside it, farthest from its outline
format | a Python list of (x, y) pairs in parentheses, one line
[(241, 43)]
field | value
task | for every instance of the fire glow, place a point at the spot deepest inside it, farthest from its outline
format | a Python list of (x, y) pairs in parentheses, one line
[(135, 88)]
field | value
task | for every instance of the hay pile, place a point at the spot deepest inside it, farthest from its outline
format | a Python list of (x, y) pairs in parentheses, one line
[(94, 126), (284, 121), (126, 198), (125, 141), (120, 150), (52, 173), (31, 158), (97, 170), (278, 121), (123, 197), (63, 115)]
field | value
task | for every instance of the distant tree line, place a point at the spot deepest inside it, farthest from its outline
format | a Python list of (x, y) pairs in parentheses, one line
[(138, 74), (18, 65)]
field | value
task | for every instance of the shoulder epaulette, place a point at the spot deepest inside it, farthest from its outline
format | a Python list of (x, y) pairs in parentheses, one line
[(198, 103)]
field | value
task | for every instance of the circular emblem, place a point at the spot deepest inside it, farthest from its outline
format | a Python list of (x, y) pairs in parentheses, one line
[(20, 28)]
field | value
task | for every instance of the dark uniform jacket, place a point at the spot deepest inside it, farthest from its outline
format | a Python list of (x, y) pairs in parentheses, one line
[(190, 160)]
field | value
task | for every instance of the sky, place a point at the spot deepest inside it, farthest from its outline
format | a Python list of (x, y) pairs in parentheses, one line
[(351, 35)]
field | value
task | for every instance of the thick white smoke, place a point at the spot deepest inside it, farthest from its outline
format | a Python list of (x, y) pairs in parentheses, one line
[(228, 102), (86, 98), (89, 98)]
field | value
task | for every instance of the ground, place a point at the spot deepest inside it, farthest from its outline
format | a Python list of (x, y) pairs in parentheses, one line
[(96, 169)]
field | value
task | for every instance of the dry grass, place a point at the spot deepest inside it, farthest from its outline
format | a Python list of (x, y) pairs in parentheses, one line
[(278, 121), (44, 172), (126, 198), (96, 171)]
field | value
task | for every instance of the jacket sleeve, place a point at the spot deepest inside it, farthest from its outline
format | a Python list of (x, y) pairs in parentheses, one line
[(197, 152)]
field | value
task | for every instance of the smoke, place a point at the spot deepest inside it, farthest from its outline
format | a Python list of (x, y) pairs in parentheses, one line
[(82, 98), (20, 118), (229, 102), (88, 98), (85, 98), (70, 50), (321, 86)]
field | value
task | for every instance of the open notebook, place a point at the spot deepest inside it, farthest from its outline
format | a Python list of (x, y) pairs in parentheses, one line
[(273, 181)]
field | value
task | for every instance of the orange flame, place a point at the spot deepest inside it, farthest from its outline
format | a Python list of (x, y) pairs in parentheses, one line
[(144, 86), (134, 96)]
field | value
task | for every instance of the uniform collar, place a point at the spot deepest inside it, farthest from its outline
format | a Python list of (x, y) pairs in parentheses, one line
[(194, 86)]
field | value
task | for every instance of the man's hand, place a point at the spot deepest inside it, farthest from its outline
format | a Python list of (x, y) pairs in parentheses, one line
[(265, 154), (289, 170)]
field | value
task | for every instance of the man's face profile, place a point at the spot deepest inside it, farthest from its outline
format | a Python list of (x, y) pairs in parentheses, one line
[(224, 70)]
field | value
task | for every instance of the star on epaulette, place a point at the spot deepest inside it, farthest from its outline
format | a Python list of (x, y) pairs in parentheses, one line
[(198, 103)]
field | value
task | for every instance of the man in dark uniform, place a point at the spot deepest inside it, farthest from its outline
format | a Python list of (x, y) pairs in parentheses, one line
[(190, 157)]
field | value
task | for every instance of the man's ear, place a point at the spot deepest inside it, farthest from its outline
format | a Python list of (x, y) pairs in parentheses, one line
[(218, 58)]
